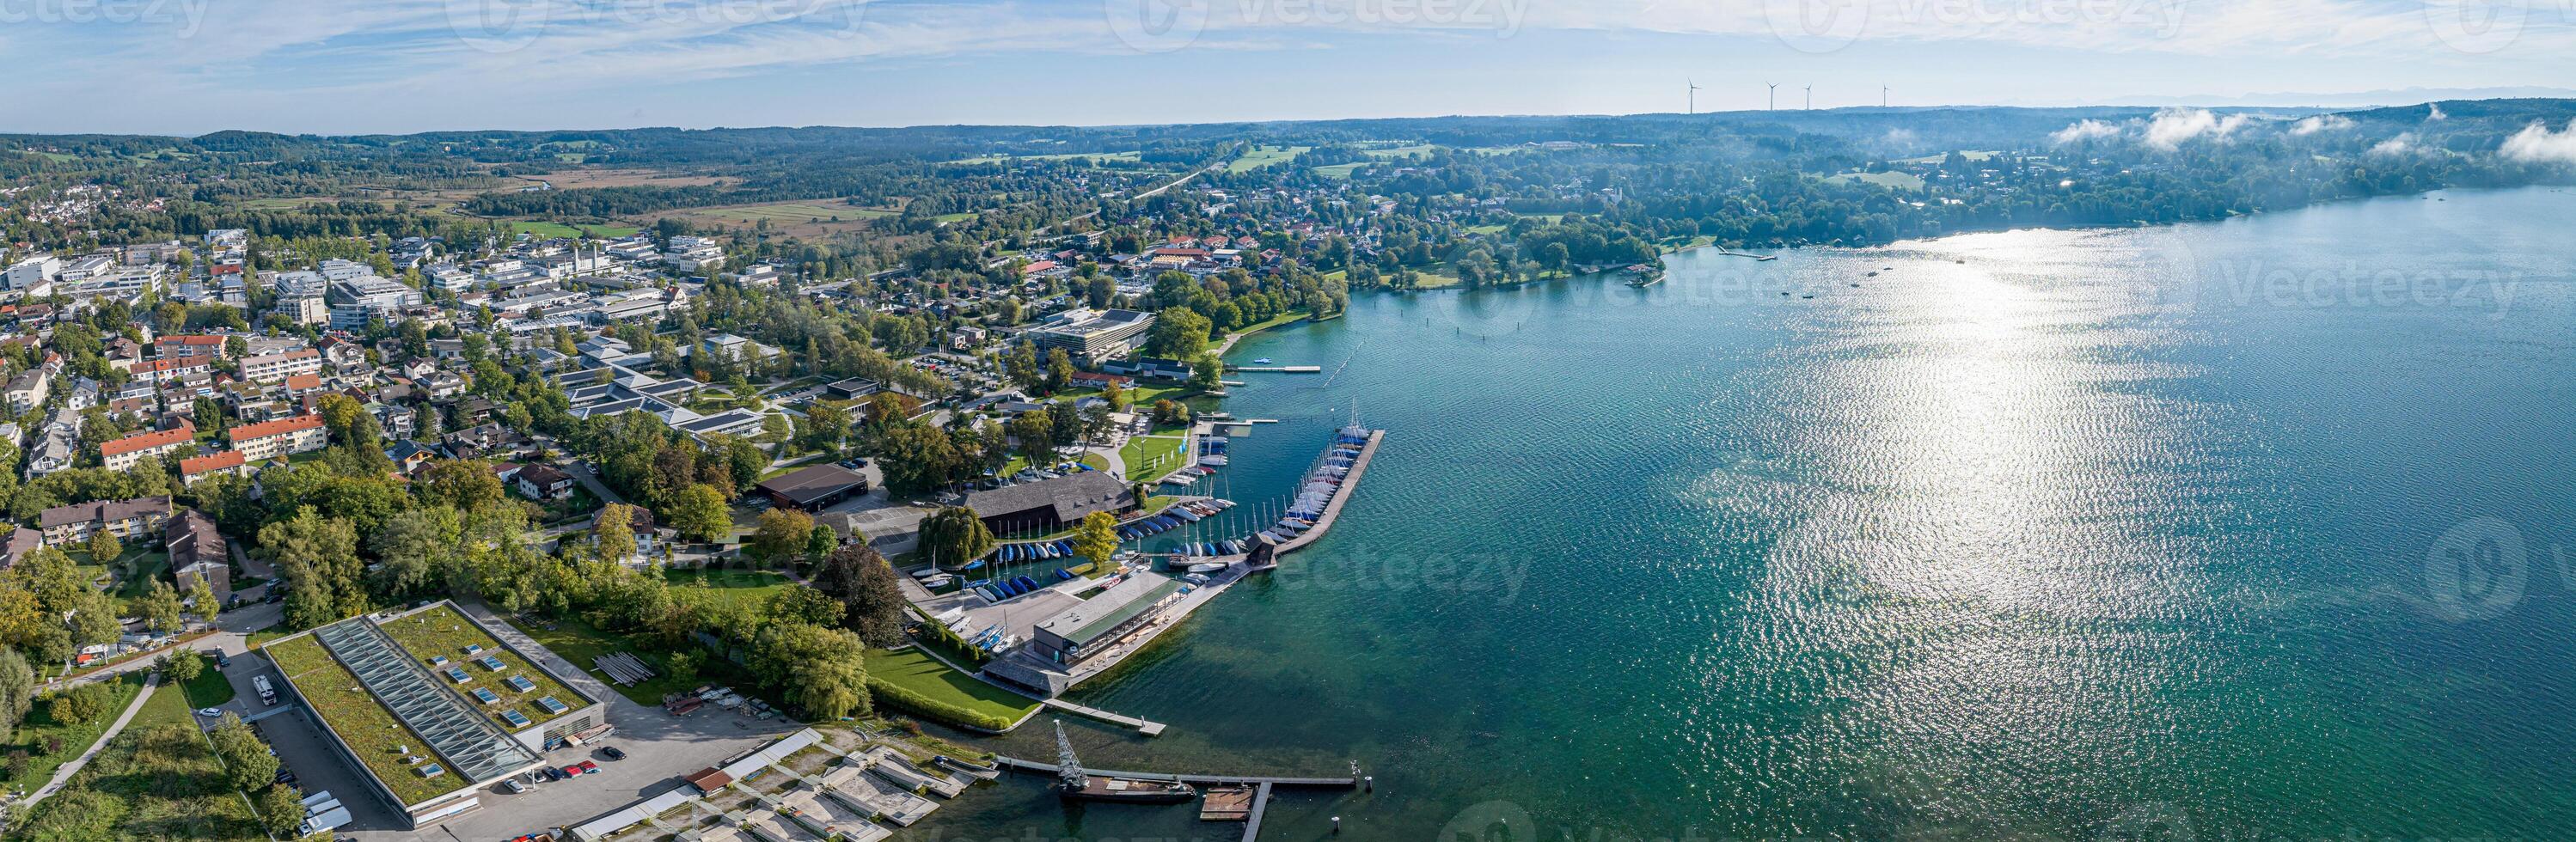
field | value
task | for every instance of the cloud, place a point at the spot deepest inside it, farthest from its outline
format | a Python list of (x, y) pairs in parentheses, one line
[(1899, 137), (2402, 144), (2435, 112), (2085, 130), (2321, 123), (2174, 126), (2536, 144)]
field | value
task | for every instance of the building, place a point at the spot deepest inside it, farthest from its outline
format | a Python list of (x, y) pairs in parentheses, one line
[(359, 298), (121, 454), (29, 389), (1091, 337), (815, 488), (1097, 624), (34, 271), (544, 482), (283, 437), (270, 368), (197, 551), (1050, 505), (430, 705), (221, 462), (65, 525), (189, 345)]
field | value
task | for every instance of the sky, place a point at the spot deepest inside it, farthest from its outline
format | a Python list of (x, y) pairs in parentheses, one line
[(187, 67)]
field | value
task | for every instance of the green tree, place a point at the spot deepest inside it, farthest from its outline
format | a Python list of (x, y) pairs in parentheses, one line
[(182, 665), (1207, 373), (1179, 333), (871, 600), (247, 764), (17, 691), (954, 536), (1059, 371), (782, 535), (80, 705), (822, 541), (700, 513), (103, 547), (614, 532), (201, 593), (159, 607), (281, 809), (819, 669), (1097, 538)]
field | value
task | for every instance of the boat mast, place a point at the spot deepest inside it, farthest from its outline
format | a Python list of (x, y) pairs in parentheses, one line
[(1068, 769)]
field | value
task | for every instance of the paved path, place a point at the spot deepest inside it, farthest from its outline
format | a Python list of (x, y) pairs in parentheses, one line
[(64, 774)]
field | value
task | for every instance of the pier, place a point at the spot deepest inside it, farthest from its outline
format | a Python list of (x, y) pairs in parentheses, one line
[(1333, 510), (1283, 369), (1035, 768), (1145, 727)]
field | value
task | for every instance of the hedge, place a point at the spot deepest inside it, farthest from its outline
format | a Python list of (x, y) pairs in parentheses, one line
[(889, 696)]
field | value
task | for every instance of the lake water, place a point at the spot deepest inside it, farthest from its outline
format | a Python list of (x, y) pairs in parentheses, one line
[(2250, 529)]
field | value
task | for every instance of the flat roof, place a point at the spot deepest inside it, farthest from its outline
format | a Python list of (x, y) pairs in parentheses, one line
[(1087, 621), (811, 484)]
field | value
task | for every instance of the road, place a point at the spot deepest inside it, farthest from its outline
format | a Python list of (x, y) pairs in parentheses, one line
[(232, 637)]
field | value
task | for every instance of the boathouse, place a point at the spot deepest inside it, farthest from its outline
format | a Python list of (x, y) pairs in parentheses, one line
[(1050, 505)]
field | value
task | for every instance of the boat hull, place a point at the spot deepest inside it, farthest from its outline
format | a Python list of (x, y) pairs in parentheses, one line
[(1128, 791)]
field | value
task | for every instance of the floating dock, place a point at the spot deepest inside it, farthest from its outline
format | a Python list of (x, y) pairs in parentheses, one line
[(1226, 804), (1333, 510), (1014, 764), (1283, 369), (1145, 727), (1754, 256)]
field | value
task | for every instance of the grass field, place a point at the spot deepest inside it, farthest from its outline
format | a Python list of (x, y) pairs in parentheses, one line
[(558, 229), (210, 689), (1066, 156), (580, 643), (913, 670), (1151, 456), (1263, 156), (1890, 180), (1340, 170), (1400, 151), (158, 779), (40, 724), (792, 213), (736, 585)]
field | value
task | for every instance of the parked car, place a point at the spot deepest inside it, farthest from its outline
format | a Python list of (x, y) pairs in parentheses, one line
[(515, 787), (587, 767), (209, 712), (613, 753)]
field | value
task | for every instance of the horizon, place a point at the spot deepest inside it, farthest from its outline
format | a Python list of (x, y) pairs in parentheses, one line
[(191, 67)]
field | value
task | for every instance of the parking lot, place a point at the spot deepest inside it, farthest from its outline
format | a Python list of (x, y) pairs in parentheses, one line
[(660, 749)]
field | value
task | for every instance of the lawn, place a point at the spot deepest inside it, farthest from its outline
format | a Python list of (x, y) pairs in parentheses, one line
[(210, 689), (756, 586), (441, 631), (558, 229), (371, 730), (1339, 171), (1150, 457), (1263, 156), (914, 670), (792, 213), (162, 773), (1089, 158), (582, 644), (40, 724)]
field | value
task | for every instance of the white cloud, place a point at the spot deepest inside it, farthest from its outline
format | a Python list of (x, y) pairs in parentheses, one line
[(2402, 144), (2174, 126), (2321, 123), (2536, 144), (2435, 112), (2085, 130)]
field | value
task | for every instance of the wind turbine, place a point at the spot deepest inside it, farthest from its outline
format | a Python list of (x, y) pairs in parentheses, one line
[(1775, 95), (1882, 96), (1694, 95), (1811, 97)]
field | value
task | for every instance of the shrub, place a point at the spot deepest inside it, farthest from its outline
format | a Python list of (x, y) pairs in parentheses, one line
[(892, 697)]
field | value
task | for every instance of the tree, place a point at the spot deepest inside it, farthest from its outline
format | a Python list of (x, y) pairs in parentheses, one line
[(1180, 333), (201, 593), (1020, 366), (17, 691), (682, 666), (819, 669), (1097, 538), (1059, 371), (1035, 434), (1206, 373), (614, 532), (281, 809), (871, 600), (782, 535), (801, 604), (318, 559), (182, 665), (700, 513), (955, 536), (467, 484), (80, 705), (159, 607), (103, 547), (822, 541), (247, 764)]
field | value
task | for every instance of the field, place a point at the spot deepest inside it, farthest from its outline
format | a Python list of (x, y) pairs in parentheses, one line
[(553, 230), (1148, 457), (1969, 154), (1890, 180), (40, 724), (1263, 156), (577, 179), (737, 585), (814, 218), (1340, 170), (913, 670), (158, 779), (1129, 156), (442, 631), (1400, 152), (581, 643)]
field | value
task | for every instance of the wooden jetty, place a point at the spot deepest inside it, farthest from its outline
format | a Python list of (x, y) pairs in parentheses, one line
[(1283, 369), (1146, 727), (1227, 804), (1014, 764)]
